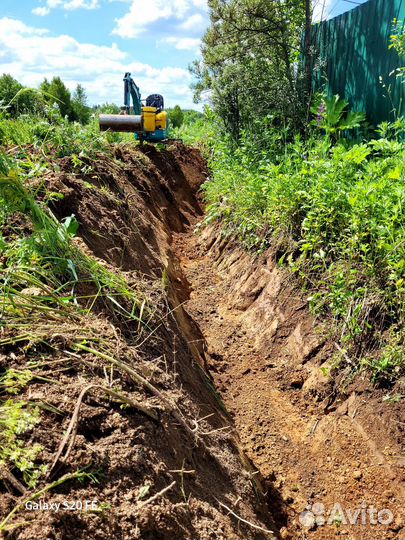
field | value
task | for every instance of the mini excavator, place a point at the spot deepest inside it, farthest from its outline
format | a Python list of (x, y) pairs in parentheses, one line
[(148, 122)]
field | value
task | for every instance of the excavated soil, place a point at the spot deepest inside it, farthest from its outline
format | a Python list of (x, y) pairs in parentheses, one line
[(174, 476), (327, 454), (251, 435)]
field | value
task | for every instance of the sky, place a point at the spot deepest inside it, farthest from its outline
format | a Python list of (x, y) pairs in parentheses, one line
[(94, 42), (326, 9)]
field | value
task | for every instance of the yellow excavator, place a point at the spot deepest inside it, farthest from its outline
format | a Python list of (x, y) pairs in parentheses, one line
[(147, 121)]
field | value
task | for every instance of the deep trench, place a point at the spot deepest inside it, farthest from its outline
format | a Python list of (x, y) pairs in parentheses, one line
[(264, 352), (247, 324)]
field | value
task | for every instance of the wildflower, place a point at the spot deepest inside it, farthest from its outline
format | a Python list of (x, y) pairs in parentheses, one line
[(320, 114)]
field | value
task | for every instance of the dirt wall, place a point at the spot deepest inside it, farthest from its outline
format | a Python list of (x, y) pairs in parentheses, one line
[(316, 439), (181, 474)]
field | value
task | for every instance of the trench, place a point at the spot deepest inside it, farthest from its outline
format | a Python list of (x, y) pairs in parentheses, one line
[(321, 455), (262, 358)]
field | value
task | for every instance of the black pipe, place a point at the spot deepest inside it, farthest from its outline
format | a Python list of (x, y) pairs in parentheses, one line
[(121, 122)]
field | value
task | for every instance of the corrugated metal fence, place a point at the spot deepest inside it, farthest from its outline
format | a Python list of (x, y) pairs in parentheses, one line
[(352, 53)]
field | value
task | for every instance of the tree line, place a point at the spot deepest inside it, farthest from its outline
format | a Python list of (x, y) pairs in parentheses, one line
[(250, 66), (16, 99)]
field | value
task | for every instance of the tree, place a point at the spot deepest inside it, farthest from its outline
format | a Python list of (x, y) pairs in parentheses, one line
[(9, 88), (191, 116), (107, 108), (176, 116), (56, 92), (79, 104), (249, 59), (16, 99)]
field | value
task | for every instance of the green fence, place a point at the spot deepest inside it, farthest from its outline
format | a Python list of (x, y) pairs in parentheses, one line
[(351, 54)]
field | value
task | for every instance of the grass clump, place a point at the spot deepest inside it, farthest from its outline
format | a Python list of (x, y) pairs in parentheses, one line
[(336, 207), (43, 270), (55, 136)]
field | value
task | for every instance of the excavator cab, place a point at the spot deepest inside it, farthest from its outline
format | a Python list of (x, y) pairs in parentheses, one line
[(155, 100)]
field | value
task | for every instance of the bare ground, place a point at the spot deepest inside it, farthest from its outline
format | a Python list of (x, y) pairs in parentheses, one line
[(313, 443)]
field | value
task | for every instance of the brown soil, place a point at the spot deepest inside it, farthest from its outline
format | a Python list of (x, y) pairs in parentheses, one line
[(279, 438), (128, 207), (313, 443)]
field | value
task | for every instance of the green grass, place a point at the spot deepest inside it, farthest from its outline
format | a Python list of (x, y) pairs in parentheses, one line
[(55, 137), (197, 129), (337, 212), (47, 262)]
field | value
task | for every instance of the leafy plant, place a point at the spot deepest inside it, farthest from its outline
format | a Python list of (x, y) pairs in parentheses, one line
[(397, 38), (16, 419), (13, 381), (70, 225), (390, 363), (333, 116), (336, 209)]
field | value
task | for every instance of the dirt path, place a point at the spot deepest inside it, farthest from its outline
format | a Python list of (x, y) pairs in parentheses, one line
[(337, 460)]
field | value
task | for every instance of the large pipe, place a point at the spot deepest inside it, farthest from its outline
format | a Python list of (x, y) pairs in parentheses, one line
[(120, 122)]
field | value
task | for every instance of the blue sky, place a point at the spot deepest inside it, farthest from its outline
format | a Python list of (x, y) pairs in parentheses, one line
[(93, 42), (331, 8)]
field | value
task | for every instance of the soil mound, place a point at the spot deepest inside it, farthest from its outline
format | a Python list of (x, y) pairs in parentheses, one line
[(127, 408)]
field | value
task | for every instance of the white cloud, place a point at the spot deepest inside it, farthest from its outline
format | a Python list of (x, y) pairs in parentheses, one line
[(201, 4), (194, 23), (54, 3), (41, 11), (182, 44), (68, 5), (81, 4), (12, 27), (29, 54), (134, 22), (139, 16)]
